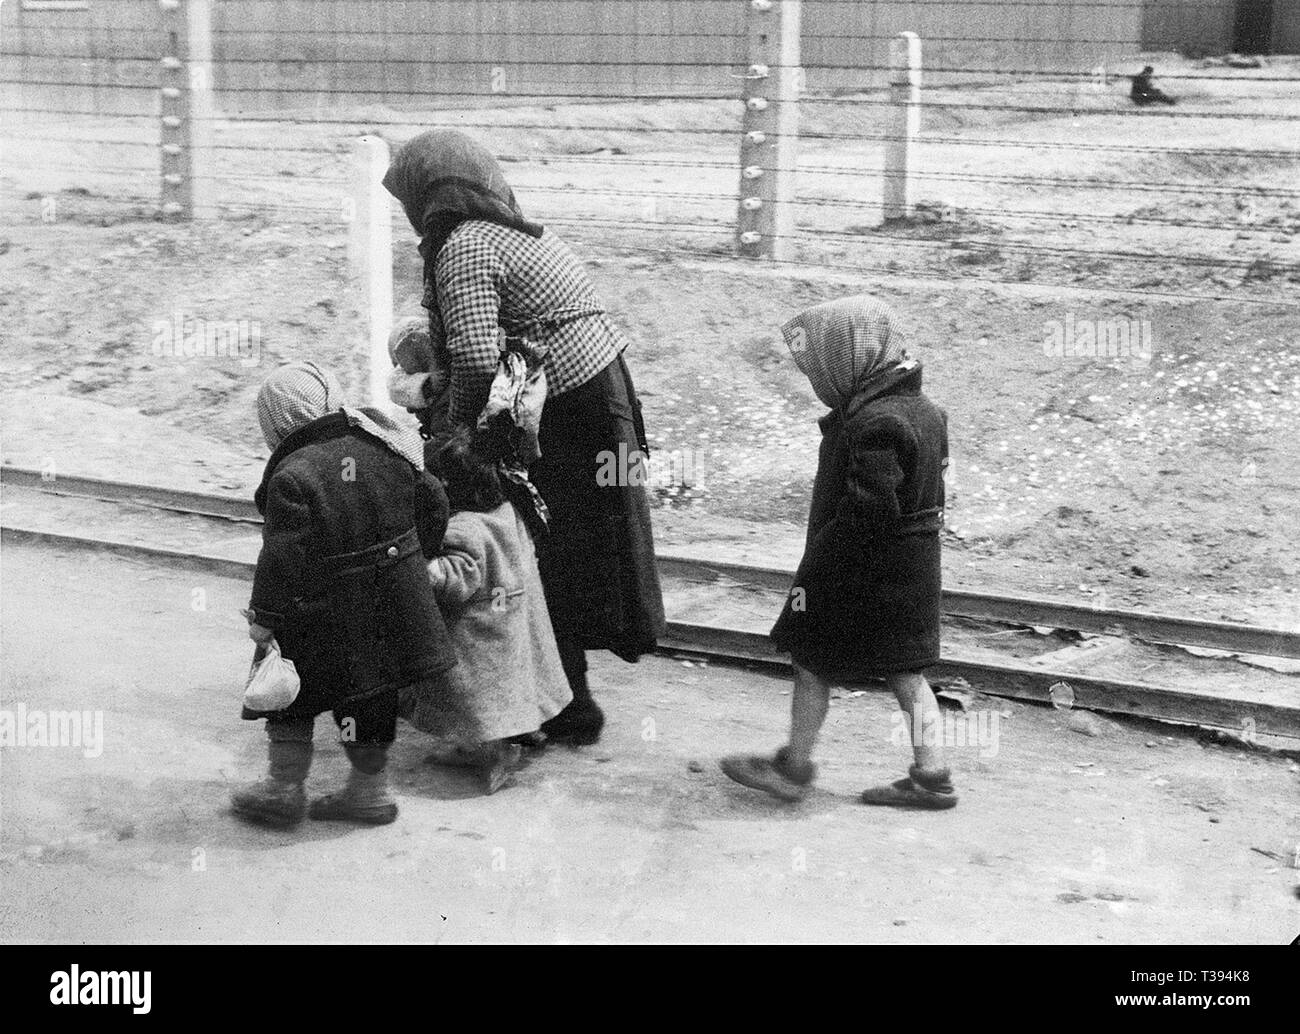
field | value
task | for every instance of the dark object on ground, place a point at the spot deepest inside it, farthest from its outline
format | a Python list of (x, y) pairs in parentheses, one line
[(1143, 93)]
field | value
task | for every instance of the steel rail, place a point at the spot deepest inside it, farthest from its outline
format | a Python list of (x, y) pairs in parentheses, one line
[(993, 678), (1024, 682), (981, 606)]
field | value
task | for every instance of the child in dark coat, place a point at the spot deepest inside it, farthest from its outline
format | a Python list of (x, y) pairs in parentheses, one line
[(351, 519), (866, 597)]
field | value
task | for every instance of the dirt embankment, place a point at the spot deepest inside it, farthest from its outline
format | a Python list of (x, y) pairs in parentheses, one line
[(1160, 476)]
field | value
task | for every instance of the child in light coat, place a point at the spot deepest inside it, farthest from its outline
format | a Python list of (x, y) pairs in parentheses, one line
[(509, 679)]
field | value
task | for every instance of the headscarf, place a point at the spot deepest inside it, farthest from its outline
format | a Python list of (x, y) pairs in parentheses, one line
[(442, 177), (842, 345), (299, 393)]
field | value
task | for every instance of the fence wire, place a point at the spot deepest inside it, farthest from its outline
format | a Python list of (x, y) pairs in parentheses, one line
[(622, 123)]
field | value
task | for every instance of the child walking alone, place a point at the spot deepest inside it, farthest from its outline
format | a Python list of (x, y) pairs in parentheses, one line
[(866, 597), (351, 518)]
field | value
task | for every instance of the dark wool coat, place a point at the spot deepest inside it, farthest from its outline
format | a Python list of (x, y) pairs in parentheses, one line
[(866, 597), (342, 576)]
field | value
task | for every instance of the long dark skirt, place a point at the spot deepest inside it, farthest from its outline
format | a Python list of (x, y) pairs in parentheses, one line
[(597, 562)]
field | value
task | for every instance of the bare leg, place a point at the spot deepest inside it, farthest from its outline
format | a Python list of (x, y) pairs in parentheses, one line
[(788, 775), (928, 784), (808, 707), (924, 722)]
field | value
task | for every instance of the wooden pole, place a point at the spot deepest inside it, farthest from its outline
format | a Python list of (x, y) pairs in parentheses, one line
[(903, 125), (769, 130)]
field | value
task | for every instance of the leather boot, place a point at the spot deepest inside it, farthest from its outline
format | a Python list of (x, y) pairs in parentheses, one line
[(581, 721)]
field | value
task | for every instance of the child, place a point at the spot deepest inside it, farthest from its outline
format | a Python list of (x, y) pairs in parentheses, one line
[(865, 601), (420, 380), (350, 519), (509, 679)]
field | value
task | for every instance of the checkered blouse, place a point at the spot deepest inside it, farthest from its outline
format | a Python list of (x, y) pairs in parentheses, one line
[(488, 276)]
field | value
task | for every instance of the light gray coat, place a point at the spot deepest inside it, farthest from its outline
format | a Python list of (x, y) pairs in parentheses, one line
[(509, 678)]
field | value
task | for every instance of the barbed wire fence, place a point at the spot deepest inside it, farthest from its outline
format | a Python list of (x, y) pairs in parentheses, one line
[(731, 127)]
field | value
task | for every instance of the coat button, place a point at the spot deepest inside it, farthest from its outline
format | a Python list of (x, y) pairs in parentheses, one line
[(392, 551)]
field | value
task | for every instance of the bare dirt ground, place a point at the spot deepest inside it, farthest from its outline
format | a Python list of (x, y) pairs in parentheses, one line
[(1163, 483), (1131, 836)]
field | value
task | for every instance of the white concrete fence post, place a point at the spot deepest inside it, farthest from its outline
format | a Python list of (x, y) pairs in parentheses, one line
[(769, 141), (370, 260), (186, 108), (203, 109), (903, 124), (175, 155)]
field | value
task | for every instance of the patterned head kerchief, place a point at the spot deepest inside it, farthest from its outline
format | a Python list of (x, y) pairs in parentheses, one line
[(298, 393), (292, 397), (840, 345)]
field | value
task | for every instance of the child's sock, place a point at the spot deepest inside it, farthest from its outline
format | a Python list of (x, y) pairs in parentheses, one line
[(289, 761), (365, 798), (368, 780), (279, 799)]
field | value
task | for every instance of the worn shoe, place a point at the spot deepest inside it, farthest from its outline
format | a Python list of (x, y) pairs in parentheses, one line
[(578, 725), (271, 802), (346, 806), (930, 791), (365, 799), (534, 742), (773, 775), (278, 800), (499, 762), (456, 755)]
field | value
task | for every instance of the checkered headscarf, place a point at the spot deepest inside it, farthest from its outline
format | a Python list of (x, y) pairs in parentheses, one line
[(292, 397), (840, 345), (298, 393)]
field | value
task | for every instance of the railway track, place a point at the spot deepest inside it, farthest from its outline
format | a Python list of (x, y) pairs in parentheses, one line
[(1060, 674)]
